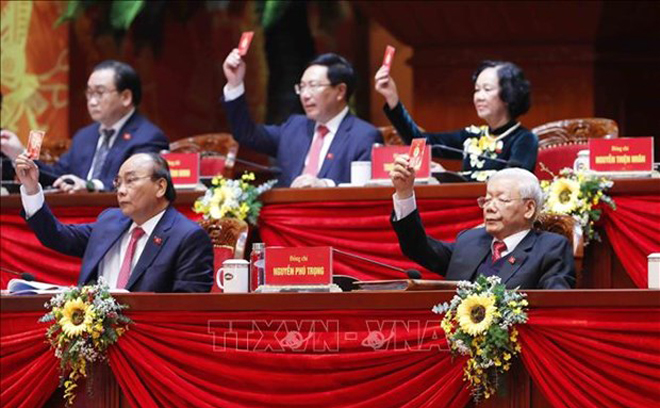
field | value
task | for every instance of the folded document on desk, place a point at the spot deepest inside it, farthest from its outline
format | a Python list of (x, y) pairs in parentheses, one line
[(406, 284), (23, 287)]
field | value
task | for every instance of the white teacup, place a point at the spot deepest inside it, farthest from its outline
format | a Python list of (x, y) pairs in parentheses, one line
[(360, 172), (581, 164), (234, 276)]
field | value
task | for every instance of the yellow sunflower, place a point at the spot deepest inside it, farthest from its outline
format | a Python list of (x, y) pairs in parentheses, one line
[(77, 317), (563, 196), (475, 313)]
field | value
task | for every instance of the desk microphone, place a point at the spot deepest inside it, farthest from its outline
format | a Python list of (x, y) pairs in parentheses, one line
[(509, 163), (269, 169), (411, 273), (23, 275)]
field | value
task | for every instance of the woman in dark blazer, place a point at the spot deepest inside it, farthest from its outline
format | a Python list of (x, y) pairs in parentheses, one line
[(501, 95)]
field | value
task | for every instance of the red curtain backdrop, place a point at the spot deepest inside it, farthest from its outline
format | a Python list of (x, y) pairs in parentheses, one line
[(363, 228), (578, 357), (634, 231), (360, 227)]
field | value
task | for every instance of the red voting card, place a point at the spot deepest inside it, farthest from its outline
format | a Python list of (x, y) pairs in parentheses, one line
[(388, 57), (244, 44), (34, 143), (416, 153)]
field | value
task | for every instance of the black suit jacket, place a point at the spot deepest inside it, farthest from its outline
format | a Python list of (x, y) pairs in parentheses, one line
[(542, 260), (178, 256), (138, 135)]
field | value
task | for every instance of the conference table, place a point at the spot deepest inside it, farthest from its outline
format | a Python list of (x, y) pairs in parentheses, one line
[(382, 349), (356, 220)]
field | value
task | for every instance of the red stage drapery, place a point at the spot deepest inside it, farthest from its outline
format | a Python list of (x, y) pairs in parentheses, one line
[(634, 231), (360, 227), (579, 357), (364, 228)]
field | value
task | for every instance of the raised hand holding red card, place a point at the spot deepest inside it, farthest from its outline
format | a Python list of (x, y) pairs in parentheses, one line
[(244, 43), (388, 57), (34, 143), (416, 153)]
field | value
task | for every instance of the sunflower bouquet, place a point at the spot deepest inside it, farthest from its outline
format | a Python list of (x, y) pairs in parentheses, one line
[(232, 198), (578, 195), (478, 322), (86, 321)]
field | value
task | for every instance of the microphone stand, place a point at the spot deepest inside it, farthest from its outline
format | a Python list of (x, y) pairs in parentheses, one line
[(411, 273), (455, 150)]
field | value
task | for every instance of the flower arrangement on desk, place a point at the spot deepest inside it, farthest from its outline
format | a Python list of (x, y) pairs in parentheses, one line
[(577, 195), (86, 321), (478, 322), (481, 145), (232, 198)]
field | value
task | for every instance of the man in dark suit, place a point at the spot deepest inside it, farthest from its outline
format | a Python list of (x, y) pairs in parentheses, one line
[(315, 150), (119, 131), (507, 245), (144, 246)]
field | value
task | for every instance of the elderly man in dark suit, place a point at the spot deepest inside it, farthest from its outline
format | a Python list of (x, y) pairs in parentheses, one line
[(97, 151), (507, 245), (144, 246), (315, 150)]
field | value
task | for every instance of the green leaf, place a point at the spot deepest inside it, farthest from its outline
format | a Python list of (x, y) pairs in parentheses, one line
[(273, 11), (123, 12), (70, 13)]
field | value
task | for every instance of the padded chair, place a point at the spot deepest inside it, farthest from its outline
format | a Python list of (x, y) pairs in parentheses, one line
[(52, 149), (567, 226), (217, 152), (560, 141), (390, 136)]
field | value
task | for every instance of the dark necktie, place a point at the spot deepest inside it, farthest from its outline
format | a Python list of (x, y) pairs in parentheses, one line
[(102, 153), (498, 248)]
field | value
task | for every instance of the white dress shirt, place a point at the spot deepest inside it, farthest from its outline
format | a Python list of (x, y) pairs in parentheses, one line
[(112, 260)]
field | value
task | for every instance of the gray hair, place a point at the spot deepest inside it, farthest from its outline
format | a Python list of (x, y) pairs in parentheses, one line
[(528, 184)]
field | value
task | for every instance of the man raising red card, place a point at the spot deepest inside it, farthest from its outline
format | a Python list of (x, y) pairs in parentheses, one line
[(314, 150)]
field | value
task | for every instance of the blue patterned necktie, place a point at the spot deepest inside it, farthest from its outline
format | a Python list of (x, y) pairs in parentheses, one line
[(102, 153)]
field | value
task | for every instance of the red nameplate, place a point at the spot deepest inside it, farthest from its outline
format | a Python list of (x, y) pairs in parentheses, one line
[(211, 166), (184, 168), (298, 266), (382, 160), (622, 154)]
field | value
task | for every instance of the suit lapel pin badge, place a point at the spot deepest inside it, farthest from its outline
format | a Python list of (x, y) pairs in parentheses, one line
[(512, 260), (127, 136), (158, 240), (330, 156)]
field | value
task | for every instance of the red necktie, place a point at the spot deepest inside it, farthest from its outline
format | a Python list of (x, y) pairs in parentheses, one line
[(312, 167), (125, 271), (498, 248)]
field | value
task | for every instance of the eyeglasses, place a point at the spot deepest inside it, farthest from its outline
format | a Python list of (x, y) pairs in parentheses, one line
[(98, 94), (129, 182), (498, 201), (312, 87)]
